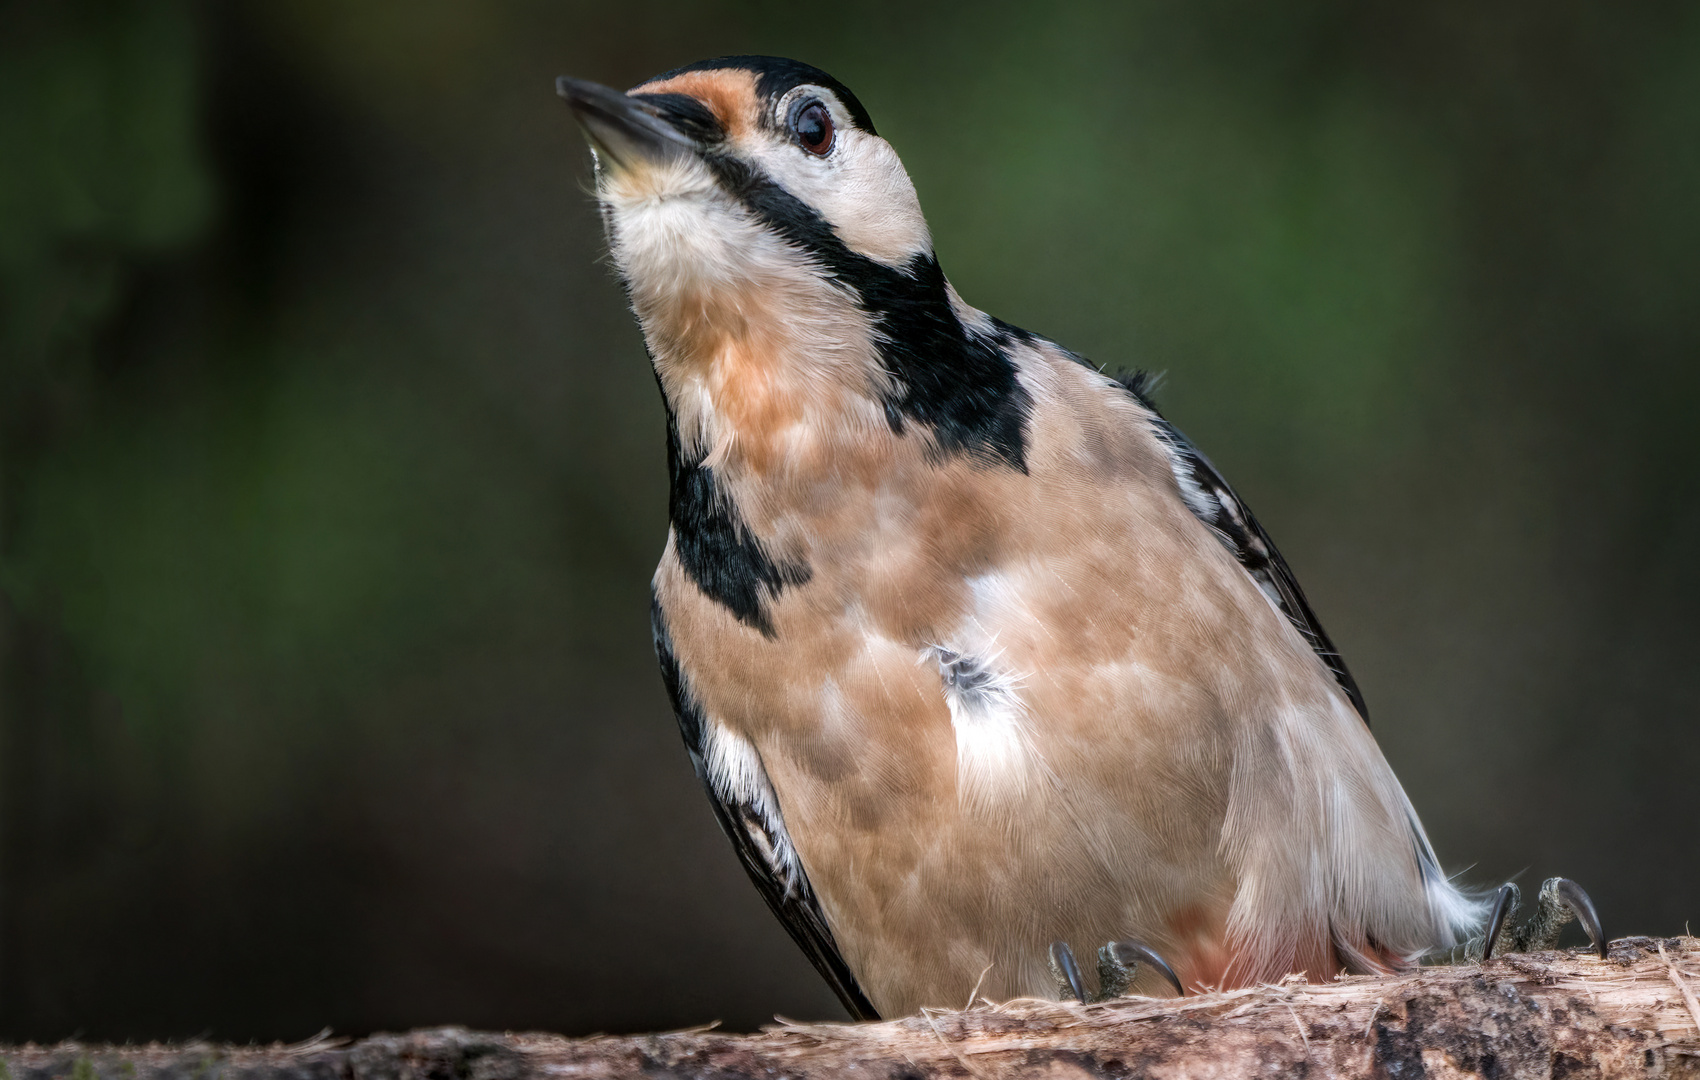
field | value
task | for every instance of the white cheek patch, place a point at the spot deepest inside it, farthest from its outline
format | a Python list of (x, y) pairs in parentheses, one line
[(861, 189), (996, 762), (873, 205)]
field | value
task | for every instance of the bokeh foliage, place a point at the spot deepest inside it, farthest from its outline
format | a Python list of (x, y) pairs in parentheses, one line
[(331, 475)]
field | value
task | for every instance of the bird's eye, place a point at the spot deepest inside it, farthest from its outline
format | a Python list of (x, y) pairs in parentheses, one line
[(813, 127)]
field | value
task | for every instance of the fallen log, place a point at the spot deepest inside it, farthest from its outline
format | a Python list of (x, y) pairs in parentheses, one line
[(1554, 1014)]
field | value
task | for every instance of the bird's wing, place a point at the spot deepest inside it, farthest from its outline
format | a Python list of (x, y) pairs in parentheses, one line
[(747, 810), (1213, 502)]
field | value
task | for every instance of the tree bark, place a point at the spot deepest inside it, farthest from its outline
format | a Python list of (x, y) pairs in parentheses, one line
[(1540, 1015)]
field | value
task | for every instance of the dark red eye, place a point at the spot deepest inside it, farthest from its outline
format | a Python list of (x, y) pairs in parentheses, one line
[(813, 125)]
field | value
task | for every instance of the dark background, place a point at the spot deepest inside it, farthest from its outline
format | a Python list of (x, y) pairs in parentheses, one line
[(331, 474)]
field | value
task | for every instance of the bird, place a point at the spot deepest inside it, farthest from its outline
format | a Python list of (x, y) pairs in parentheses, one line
[(980, 660)]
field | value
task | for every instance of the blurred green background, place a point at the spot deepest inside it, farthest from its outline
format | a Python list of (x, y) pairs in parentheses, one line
[(332, 476)]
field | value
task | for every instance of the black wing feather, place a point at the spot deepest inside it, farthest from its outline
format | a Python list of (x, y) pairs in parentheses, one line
[(786, 890), (1210, 498)]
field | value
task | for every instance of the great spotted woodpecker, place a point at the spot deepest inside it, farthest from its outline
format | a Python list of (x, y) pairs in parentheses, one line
[(979, 659)]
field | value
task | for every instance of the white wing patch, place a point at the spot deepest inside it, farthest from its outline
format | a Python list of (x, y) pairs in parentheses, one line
[(996, 762), (735, 771)]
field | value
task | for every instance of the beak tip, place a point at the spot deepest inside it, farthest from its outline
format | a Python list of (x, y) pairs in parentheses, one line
[(619, 127)]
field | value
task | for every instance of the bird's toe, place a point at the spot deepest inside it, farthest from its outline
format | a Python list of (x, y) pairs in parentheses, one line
[(1066, 971), (1118, 963)]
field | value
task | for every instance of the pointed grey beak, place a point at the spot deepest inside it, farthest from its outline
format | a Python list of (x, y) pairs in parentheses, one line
[(621, 129)]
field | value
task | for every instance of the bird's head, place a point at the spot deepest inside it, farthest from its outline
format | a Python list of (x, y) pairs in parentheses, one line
[(748, 143), (773, 247)]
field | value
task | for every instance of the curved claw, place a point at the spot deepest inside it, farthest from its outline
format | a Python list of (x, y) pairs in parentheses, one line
[(1063, 964), (1503, 905), (1130, 953), (1579, 902)]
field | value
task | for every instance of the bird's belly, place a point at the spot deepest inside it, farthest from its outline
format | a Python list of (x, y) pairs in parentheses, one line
[(955, 910), (944, 865), (1051, 756)]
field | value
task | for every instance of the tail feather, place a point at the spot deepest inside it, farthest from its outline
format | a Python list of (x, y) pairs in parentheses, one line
[(1457, 913), (1350, 880)]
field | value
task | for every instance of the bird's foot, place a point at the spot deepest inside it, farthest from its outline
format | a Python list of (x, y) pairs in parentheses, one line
[(1560, 901), (1118, 964)]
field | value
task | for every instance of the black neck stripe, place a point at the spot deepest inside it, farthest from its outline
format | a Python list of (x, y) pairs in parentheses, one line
[(728, 562), (960, 384)]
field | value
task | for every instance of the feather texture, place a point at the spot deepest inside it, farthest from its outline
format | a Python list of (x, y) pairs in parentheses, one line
[(971, 648)]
